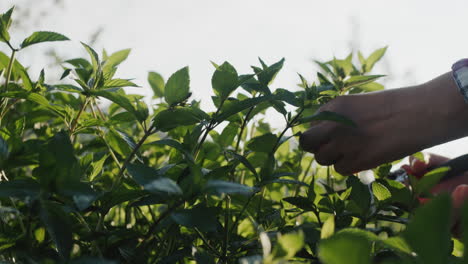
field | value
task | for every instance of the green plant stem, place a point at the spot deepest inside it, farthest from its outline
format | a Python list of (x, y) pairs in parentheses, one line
[(75, 121), (9, 68), (148, 132), (244, 124), (210, 247), (226, 227), (238, 217), (4, 100), (208, 129)]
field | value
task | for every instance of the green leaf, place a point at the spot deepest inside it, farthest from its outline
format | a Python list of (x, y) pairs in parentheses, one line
[(200, 216), (357, 81), (5, 23), (174, 144), (244, 161), (4, 152), (346, 248), (380, 191), (152, 180), (263, 143), (267, 75), (229, 133), (328, 227), (428, 232), (235, 107), (119, 142), (116, 83), (172, 118), (224, 80), (371, 87), (360, 194), (156, 82), (328, 116), (97, 167), (220, 187), (94, 56), (120, 98), (20, 188), (289, 244), (374, 57), (430, 179), (464, 229), (58, 225), (115, 59), (91, 260), (301, 202), (177, 87), (42, 36)]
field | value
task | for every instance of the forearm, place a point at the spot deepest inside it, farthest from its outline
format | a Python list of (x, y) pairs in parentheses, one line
[(433, 112)]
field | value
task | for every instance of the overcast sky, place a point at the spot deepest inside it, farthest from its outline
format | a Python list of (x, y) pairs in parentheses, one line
[(424, 37)]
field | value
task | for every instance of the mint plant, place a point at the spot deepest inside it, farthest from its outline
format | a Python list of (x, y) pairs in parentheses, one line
[(171, 183)]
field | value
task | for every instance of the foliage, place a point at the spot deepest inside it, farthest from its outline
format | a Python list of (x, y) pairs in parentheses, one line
[(167, 182)]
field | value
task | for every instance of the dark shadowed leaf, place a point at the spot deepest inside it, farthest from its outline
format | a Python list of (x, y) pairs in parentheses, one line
[(19, 188), (219, 187), (171, 118), (200, 216), (428, 232), (152, 180), (263, 143), (346, 248), (58, 225)]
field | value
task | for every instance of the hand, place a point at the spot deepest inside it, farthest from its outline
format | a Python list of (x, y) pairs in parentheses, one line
[(457, 186), (391, 124)]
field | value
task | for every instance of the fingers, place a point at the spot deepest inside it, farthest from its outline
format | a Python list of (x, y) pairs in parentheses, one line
[(419, 168), (460, 196), (327, 154), (316, 136)]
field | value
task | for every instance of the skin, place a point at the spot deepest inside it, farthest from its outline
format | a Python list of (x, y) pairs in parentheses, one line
[(391, 124)]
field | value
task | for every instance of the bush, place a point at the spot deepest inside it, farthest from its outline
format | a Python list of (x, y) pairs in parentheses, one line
[(171, 183)]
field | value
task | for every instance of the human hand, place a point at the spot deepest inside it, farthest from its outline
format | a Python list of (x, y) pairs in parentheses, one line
[(391, 124)]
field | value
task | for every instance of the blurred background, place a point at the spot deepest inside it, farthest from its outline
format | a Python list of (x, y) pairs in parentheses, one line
[(424, 38)]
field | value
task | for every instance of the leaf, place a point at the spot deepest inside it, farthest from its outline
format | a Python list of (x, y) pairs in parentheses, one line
[(152, 180), (328, 227), (94, 56), (177, 87), (156, 82), (289, 244), (244, 161), (42, 36), (287, 96), (224, 80), (58, 225), (120, 98), (328, 116), (267, 75), (115, 59), (20, 188), (301, 202), (91, 260), (115, 83), (220, 187), (119, 142), (380, 191), (5, 23), (200, 216), (371, 87), (97, 167), (374, 57), (172, 118), (4, 152), (174, 144), (263, 143), (430, 179), (428, 232), (346, 248), (356, 81), (239, 106)]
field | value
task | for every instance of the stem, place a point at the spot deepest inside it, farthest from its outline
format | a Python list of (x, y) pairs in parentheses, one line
[(210, 127), (4, 100), (75, 121), (238, 217), (149, 132), (226, 228), (244, 124), (8, 72), (210, 247)]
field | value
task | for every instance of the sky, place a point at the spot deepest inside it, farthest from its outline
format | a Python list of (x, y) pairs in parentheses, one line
[(424, 38)]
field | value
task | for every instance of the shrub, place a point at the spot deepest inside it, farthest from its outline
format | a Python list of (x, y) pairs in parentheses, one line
[(170, 183)]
